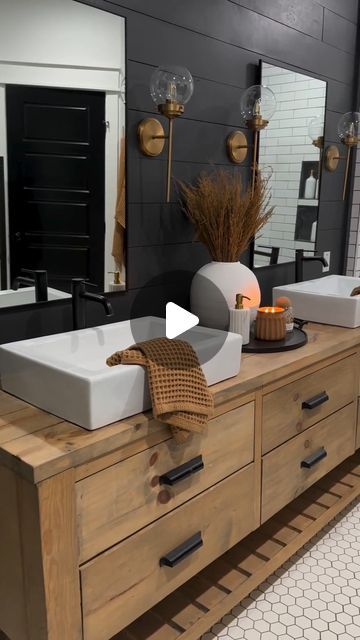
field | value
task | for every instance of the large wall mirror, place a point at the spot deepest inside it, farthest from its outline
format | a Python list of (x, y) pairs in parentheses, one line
[(290, 152), (62, 148)]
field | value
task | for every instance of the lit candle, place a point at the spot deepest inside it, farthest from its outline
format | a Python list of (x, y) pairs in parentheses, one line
[(271, 310), (270, 323)]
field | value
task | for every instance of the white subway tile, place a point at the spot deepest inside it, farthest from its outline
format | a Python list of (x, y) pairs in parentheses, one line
[(304, 112), (353, 238), (301, 131), (316, 102), (294, 105), (318, 83), (298, 85), (278, 133), (279, 79), (285, 193)]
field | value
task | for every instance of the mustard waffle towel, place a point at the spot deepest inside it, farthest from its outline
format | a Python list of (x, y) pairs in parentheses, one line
[(178, 388)]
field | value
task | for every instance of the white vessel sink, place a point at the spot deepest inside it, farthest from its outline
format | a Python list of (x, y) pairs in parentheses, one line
[(67, 375), (324, 300), (11, 298)]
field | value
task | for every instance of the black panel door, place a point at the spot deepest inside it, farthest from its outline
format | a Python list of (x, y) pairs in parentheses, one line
[(56, 163)]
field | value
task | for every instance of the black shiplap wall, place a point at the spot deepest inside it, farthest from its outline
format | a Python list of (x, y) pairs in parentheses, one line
[(221, 42)]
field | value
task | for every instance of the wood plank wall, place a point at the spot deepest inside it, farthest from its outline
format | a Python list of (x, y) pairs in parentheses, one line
[(221, 42)]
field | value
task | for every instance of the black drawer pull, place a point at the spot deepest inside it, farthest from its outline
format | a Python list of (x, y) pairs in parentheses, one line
[(183, 471), (314, 458), (316, 401), (182, 551)]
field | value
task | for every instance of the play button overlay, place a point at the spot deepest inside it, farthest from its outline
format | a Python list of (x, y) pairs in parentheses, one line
[(166, 299), (178, 320)]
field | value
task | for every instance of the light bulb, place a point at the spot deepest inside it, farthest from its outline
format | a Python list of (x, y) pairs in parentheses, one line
[(257, 107), (349, 126), (171, 84), (258, 101)]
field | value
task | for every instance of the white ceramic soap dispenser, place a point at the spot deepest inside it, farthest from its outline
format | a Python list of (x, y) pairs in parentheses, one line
[(310, 186), (240, 318), (116, 284)]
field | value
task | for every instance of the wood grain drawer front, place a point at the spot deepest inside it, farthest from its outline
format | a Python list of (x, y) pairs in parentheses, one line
[(120, 500), (284, 410), (296, 465), (127, 580), (357, 445)]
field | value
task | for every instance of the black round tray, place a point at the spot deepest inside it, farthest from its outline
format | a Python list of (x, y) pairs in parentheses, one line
[(297, 338)]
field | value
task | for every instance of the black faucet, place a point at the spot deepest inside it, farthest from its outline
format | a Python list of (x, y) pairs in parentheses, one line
[(299, 263), (37, 278), (79, 296)]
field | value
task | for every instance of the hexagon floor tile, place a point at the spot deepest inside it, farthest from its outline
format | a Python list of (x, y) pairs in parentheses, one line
[(313, 596)]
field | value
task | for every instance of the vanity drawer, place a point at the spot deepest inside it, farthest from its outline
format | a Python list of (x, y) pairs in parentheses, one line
[(324, 391), (120, 500), (127, 580), (296, 465)]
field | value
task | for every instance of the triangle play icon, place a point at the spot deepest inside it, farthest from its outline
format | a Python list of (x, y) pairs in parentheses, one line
[(178, 320)]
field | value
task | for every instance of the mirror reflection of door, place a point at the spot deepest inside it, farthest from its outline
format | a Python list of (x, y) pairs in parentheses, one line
[(56, 179), (62, 148)]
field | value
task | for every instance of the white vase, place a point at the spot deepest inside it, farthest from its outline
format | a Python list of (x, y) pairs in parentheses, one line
[(214, 288)]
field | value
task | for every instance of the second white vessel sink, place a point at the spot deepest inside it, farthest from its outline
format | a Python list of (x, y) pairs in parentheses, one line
[(26, 295), (67, 375), (325, 300)]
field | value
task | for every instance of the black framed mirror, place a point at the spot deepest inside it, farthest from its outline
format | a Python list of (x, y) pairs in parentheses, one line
[(291, 154)]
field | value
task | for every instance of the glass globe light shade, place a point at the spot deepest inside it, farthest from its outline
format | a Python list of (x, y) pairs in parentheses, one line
[(258, 101), (349, 125), (171, 83), (316, 128)]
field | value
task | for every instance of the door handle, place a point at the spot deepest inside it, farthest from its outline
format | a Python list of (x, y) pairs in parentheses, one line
[(314, 458), (182, 551), (316, 401), (183, 471)]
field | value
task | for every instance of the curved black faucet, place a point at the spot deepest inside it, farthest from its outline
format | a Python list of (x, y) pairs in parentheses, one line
[(299, 263), (79, 296), (36, 278)]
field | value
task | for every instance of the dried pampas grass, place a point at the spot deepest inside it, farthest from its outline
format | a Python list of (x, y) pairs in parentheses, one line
[(226, 215)]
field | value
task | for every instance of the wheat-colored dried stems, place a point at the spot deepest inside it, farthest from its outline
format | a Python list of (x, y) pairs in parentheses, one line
[(226, 215)]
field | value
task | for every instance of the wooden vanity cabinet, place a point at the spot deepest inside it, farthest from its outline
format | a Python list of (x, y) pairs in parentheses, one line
[(292, 408), (123, 498), (299, 463), (121, 531), (144, 568)]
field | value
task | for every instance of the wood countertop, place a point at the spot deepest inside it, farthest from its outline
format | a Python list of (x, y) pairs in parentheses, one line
[(38, 445)]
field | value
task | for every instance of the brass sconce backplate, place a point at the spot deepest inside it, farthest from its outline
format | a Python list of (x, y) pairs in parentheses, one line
[(151, 136), (237, 146), (332, 157)]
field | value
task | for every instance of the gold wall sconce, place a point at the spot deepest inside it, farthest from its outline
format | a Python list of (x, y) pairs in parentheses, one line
[(258, 105), (348, 132), (171, 88)]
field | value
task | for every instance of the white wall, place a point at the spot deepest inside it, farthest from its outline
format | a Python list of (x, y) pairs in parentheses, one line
[(284, 145), (60, 32), (62, 43)]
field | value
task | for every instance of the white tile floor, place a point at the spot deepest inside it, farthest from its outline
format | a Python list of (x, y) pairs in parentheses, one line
[(315, 595)]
